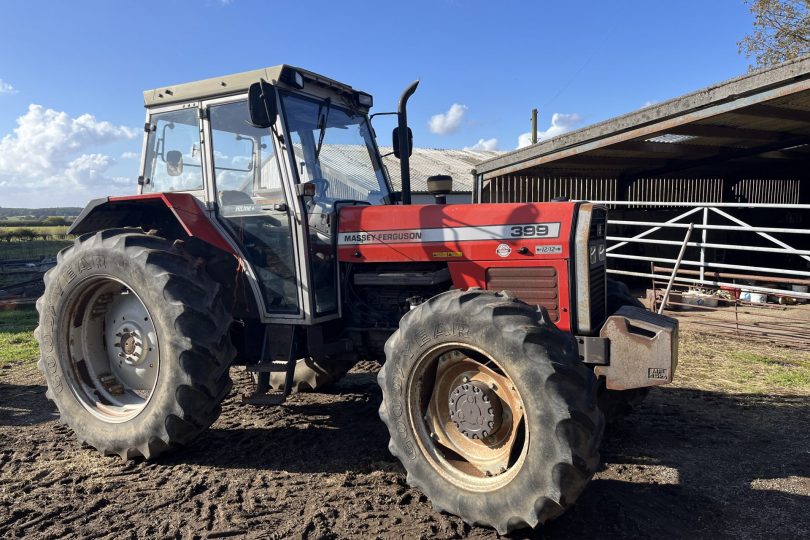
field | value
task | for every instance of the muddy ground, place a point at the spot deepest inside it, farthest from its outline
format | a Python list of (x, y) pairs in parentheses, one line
[(688, 464)]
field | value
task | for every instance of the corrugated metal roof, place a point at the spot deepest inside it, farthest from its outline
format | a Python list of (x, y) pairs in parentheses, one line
[(349, 165), (426, 162)]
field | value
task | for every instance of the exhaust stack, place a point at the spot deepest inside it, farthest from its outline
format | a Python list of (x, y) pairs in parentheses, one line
[(404, 142)]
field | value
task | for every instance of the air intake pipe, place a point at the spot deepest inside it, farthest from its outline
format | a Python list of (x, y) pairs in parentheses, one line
[(439, 186)]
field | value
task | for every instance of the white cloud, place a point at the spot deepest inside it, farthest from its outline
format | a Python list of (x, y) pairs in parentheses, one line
[(449, 122), (130, 155), (52, 158), (6, 88), (560, 123), (484, 144), (649, 103)]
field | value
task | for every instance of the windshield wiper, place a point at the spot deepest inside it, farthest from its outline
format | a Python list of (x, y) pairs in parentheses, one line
[(322, 119)]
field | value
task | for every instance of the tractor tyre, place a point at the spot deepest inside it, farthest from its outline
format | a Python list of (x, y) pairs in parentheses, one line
[(314, 374), (489, 409), (616, 404), (134, 342)]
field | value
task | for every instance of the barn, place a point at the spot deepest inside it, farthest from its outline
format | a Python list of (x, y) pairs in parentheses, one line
[(711, 189)]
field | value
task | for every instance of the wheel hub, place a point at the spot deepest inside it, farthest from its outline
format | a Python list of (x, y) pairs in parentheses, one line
[(475, 410), (128, 343), (132, 343), (131, 338)]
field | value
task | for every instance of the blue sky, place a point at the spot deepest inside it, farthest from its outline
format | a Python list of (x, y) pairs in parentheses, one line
[(73, 72)]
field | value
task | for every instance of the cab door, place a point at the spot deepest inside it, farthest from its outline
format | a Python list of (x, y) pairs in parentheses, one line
[(248, 185)]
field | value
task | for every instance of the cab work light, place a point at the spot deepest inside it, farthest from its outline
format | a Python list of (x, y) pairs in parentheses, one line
[(364, 99), (293, 78)]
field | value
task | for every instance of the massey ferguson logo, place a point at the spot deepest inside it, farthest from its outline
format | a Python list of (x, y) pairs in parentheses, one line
[(503, 250), (451, 234), (369, 237)]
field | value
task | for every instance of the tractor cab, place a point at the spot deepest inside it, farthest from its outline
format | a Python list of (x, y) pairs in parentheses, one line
[(272, 161)]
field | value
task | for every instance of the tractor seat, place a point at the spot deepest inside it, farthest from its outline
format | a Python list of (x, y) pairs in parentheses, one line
[(234, 198)]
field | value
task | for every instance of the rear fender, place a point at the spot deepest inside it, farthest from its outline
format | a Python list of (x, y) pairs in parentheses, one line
[(177, 216), (174, 214)]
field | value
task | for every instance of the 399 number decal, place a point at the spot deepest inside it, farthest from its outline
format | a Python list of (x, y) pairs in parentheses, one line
[(528, 230)]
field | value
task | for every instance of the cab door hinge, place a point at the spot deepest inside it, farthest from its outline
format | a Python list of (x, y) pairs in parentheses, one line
[(203, 113)]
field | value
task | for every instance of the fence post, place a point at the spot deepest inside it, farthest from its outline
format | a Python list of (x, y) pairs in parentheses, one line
[(675, 270), (703, 243)]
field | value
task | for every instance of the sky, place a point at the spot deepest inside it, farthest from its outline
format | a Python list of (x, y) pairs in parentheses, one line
[(72, 73)]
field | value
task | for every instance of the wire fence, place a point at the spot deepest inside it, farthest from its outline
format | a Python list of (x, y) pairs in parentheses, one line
[(33, 250)]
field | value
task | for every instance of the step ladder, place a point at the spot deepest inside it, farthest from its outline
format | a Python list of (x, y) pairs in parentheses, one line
[(263, 395)]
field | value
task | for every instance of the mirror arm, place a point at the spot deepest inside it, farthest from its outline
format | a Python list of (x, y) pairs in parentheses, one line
[(381, 114)]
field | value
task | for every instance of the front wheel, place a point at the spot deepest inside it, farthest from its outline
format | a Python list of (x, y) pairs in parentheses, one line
[(134, 343), (489, 409)]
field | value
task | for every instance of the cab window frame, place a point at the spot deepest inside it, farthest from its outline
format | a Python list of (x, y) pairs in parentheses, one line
[(145, 182)]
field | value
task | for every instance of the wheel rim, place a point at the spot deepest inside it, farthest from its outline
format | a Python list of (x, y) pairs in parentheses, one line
[(113, 351), (468, 417)]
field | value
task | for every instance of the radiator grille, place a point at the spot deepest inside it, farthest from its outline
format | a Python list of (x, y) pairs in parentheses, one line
[(598, 299), (597, 274), (536, 285)]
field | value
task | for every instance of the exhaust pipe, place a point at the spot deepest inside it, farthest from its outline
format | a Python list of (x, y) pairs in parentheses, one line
[(404, 156)]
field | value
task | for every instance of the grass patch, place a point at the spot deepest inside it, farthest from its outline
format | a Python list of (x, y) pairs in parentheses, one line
[(17, 341), (717, 363)]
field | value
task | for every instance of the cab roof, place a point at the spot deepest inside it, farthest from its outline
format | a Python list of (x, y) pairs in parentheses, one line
[(236, 84)]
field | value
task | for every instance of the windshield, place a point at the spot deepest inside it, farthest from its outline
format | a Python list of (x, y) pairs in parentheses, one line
[(334, 148)]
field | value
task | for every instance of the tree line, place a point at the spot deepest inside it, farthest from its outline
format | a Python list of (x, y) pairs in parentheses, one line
[(38, 214)]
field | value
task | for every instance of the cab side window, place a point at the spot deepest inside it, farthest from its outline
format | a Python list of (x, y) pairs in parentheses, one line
[(173, 153)]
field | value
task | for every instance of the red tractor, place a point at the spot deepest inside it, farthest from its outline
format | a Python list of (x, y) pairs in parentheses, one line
[(265, 234)]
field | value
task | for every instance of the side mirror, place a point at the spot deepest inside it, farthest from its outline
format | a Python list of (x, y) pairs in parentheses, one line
[(174, 162), (397, 149), (262, 104)]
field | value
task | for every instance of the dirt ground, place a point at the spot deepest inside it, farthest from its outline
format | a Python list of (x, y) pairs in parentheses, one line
[(689, 463)]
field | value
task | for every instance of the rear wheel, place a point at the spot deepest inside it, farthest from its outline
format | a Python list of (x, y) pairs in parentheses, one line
[(134, 343), (616, 404), (313, 374), (489, 409)]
